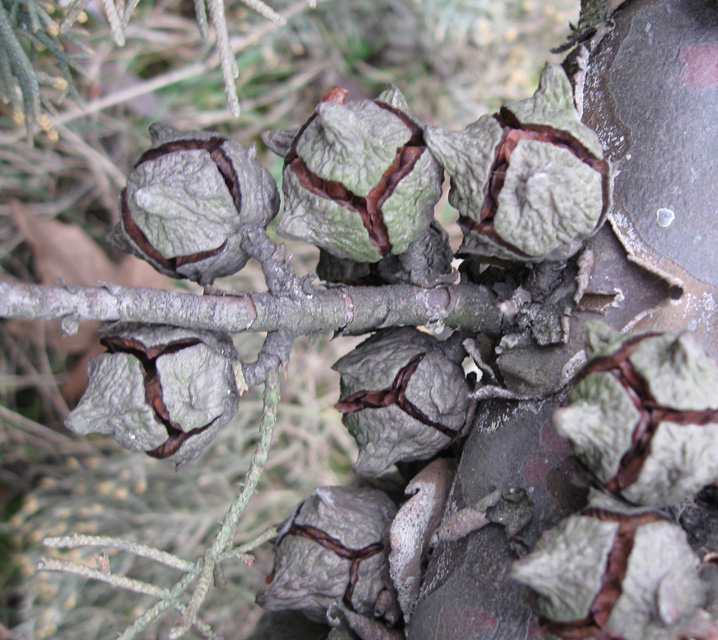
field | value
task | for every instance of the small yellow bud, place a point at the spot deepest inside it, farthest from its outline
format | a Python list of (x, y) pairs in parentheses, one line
[(30, 506), (46, 125), (75, 555), (120, 493), (35, 537), (63, 513), (44, 122), (105, 488), (58, 530), (79, 488), (45, 617), (27, 568), (88, 528), (47, 591), (48, 631)]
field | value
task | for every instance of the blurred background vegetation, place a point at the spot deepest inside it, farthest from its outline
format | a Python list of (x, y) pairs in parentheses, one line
[(453, 59)]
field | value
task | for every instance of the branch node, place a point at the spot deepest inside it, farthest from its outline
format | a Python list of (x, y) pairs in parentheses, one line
[(72, 288), (348, 308), (69, 324), (239, 379), (307, 286), (111, 287)]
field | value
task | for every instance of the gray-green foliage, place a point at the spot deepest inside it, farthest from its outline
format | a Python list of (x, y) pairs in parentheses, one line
[(26, 29), (35, 87)]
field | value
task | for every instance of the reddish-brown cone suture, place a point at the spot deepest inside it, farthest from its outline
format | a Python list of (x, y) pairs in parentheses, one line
[(513, 131), (652, 414), (224, 165), (594, 624), (396, 394), (369, 207), (153, 389), (355, 556)]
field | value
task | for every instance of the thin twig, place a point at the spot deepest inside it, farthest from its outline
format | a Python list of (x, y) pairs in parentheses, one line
[(33, 428), (227, 62), (200, 14), (225, 535), (275, 353), (46, 384), (204, 582), (122, 582), (129, 8), (278, 272), (94, 157), (284, 96), (72, 12), (264, 10), (44, 366), (149, 616), (76, 540), (115, 20), (244, 549)]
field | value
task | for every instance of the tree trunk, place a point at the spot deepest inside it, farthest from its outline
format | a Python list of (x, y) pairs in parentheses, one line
[(649, 87)]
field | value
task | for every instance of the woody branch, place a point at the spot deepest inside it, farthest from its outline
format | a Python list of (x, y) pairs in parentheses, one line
[(353, 310)]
